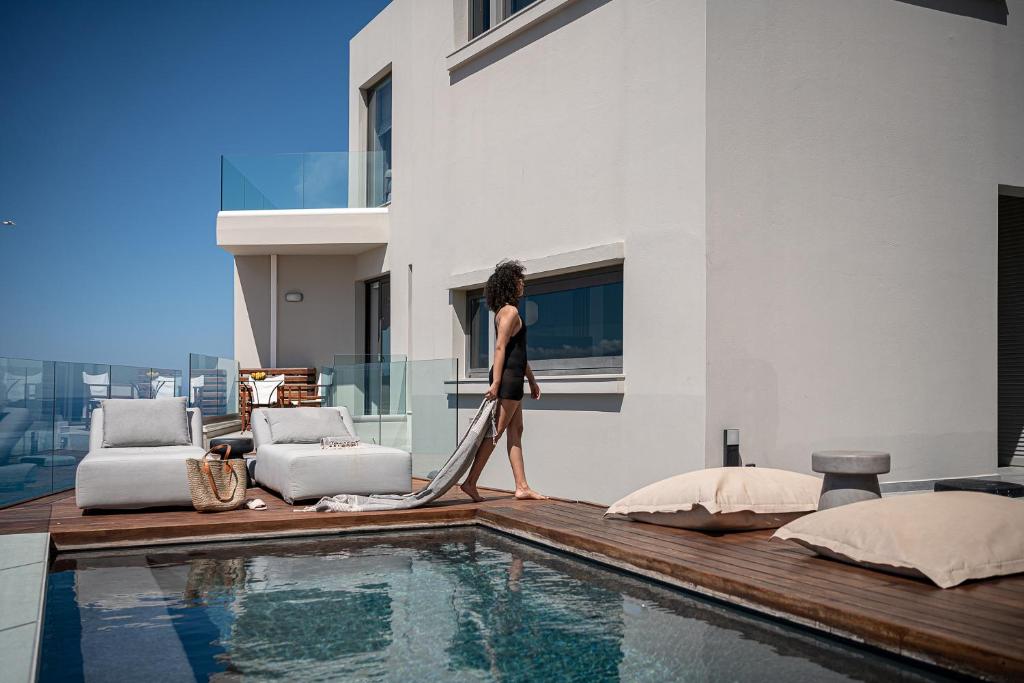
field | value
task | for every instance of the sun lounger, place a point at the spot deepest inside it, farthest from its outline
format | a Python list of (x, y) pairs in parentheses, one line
[(137, 476), (305, 471)]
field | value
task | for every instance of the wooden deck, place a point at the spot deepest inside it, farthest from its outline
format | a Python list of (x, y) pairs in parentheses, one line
[(976, 629)]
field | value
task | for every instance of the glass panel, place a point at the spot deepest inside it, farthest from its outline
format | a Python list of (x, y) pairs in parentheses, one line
[(325, 385), (213, 385), (479, 325), (164, 382), (433, 416), (311, 180), (518, 5), (379, 166), (45, 414), (129, 382), (271, 181), (414, 409), (78, 390), (26, 430), (352, 382), (479, 17), (394, 419), (574, 323)]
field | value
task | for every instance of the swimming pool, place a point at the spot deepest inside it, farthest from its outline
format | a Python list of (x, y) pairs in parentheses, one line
[(462, 604)]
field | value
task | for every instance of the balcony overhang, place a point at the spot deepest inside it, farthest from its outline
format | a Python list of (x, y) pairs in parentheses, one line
[(303, 231)]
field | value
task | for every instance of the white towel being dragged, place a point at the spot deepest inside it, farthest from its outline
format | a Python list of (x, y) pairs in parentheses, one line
[(333, 442), (354, 503)]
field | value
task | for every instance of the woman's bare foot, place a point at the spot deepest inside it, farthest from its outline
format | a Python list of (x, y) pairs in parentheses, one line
[(529, 494), (471, 491)]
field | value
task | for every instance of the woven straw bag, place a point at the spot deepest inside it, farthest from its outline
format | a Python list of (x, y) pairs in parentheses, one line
[(218, 485)]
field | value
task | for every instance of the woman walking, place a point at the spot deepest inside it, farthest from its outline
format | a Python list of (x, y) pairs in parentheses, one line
[(503, 290)]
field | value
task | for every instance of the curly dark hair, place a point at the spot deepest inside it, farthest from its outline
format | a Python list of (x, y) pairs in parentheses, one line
[(503, 284)]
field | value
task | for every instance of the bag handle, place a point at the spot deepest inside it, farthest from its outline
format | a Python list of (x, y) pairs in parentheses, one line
[(224, 454)]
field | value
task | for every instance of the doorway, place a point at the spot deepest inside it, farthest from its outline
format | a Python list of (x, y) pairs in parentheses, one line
[(378, 346), (1010, 356)]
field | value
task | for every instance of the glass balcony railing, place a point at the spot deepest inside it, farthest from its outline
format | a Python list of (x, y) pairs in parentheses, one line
[(312, 180), (45, 413), (408, 404), (213, 385)]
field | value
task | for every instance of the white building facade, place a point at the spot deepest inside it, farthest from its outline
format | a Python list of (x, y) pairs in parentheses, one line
[(782, 218)]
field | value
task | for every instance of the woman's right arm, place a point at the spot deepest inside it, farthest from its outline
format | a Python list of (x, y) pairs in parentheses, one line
[(505, 322)]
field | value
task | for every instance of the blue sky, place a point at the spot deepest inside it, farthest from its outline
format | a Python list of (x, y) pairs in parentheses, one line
[(113, 117)]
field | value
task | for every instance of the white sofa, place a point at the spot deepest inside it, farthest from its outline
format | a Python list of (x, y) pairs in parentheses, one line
[(303, 471), (136, 477)]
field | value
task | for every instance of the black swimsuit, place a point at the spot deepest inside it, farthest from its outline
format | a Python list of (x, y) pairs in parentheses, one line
[(514, 372)]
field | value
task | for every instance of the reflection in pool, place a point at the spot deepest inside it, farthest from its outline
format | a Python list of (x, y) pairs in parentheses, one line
[(460, 604)]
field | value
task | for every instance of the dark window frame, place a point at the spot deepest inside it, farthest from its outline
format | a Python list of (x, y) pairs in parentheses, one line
[(555, 283), (384, 283), (373, 143), (486, 14), (479, 17)]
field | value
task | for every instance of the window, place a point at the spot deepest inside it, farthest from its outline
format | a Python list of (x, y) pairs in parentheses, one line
[(518, 5), (479, 17), (481, 13), (378, 158), (479, 336), (574, 324)]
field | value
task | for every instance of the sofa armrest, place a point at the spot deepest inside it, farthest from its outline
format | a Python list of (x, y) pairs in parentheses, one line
[(346, 417), (195, 426), (96, 430)]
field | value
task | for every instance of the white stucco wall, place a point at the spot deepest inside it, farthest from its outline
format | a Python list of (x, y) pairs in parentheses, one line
[(854, 153), (252, 311), (588, 129), (310, 332)]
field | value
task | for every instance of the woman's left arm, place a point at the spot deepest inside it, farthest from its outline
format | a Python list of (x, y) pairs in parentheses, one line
[(534, 387)]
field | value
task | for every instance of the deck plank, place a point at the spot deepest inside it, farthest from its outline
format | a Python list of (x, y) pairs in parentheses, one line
[(783, 580), (976, 628)]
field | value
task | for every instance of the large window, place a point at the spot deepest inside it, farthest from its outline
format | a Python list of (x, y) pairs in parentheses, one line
[(378, 160), (483, 14), (574, 324)]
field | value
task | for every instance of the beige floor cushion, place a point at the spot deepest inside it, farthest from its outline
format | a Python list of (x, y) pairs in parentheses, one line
[(723, 499), (948, 537)]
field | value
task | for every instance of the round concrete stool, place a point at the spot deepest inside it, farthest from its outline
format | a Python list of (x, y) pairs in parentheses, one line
[(850, 476)]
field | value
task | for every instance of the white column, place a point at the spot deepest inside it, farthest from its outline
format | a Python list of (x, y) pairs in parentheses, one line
[(273, 310)]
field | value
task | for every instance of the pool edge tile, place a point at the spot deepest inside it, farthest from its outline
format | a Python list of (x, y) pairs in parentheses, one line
[(23, 578), (14, 643), (21, 549)]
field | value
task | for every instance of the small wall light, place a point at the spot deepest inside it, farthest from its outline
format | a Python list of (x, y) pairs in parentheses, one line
[(731, 443), (293, 297)]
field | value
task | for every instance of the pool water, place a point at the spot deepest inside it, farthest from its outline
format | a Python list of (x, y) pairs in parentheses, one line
[(463, 604)]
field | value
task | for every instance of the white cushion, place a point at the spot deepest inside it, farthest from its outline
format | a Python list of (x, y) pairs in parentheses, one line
[(130, 478), (303, 471), (145, 422), (724, 499), (946, 536), (304, 425)]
